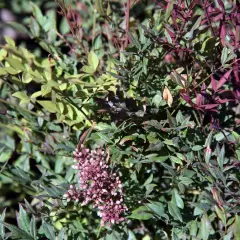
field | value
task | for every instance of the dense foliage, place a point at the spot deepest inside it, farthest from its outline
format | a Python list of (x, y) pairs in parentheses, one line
[(146, 95)]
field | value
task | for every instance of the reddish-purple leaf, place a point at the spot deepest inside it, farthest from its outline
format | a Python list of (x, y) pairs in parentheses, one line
[(161, 5), (237, 37), (238, 93), (168, 5), (210, 106), (224, 100), (223, 34), (186, 97), (214, 84), (224, 78), (170, 32), (203, 88), (199, 99), (217, 18), (236, 75), (193, 4), (224, 91)]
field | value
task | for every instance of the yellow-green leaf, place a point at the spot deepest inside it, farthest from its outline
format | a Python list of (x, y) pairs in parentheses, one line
[(49, 106), (9, 41), (12, 71), (93, 60), (3, 54), (36, 94), (22, 96)]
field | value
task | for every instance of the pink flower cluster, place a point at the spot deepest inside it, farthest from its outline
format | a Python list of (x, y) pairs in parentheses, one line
[(97, 185)]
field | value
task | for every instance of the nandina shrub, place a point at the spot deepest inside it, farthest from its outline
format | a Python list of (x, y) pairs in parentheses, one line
[(146, 103)]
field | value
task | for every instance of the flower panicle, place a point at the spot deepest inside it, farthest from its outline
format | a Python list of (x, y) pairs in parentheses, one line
[(97, 185)]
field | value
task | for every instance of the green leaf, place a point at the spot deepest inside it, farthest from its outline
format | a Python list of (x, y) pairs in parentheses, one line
[(157, 208), (205, 227), (169, 142), (131, 235), (193, 228), (176, 160), (50, 25), (33, 228), (99, 7), (177, 199), (155, 146), (149, 180), (59, 165), (93, 60), (169, 10), (26, 77), (88, 69), (49, 231), (127, 138), (38, 14), (34, 27), (174, 211), (49, 106), (149, 188), (224, 55), (221, 157), (154, 158), (17, 232), (2, 71), (3, 54), (9, 41), (64, 26), (52, 191), (237, 228), (19, 27), (229, 236), (104, 137), (2, 230), (141, 213), (209, 139), (21, 175), (23, 219), (36, 94), (157, 100), (62, 234), (185, 180), (221, 214), (45, 89), (197, 148), (12, 71), (29, 207), (22, 96), (70, 112), (23, 162), (169, 39)]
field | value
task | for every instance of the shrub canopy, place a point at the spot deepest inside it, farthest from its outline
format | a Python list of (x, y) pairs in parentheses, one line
[(156, 86)]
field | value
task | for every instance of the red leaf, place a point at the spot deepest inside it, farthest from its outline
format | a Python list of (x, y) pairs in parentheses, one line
[(237, 37), (203, 88), (187, 98), (236, 75), (170, 32), (224, 78), (214, 84), (199, 99), (217, 18), (221, 4), (210, 106), (223, 34), (224, 100)]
